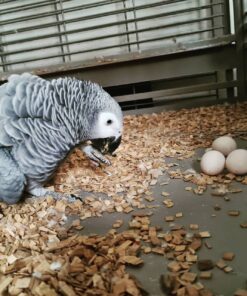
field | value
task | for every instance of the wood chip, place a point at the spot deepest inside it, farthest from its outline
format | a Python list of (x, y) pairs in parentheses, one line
[(206, 292), (204, 234), (234, 213), (153, 236), (199, 286), (189, 277), (192, 291), (165, 193), (240, 292), (204, 265), (191, 258), (228, 256), (180, 248), (188, 188), (44, 290), (208, 245), (168, 283), (158, 250), (243, 225), (132, 260), (221, 264), (169, 218), (4, 283), (217, 207), (228, 269), (174, 266), (66, 289), (23, 283), (205, 275), (194, 226), (118, 224), (168, 203), (142, 213), (147, 250), (196, 244), (149, 198), (179, 215)]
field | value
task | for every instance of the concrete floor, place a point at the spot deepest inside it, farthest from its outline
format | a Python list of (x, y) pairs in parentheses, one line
[(227, 235)]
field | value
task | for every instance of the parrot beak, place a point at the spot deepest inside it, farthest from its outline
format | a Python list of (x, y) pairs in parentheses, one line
[(106, 145)]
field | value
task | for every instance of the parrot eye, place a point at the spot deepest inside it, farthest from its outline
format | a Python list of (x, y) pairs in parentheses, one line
[(109, 121)]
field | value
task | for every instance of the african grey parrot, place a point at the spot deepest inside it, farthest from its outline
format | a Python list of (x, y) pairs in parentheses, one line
[(42, 121)]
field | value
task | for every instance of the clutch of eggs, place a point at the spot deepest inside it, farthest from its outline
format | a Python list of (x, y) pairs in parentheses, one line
[(224, 154)]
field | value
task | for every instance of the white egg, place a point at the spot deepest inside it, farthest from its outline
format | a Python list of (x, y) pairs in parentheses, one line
[(224, 145), (213, 162), (236, 162)]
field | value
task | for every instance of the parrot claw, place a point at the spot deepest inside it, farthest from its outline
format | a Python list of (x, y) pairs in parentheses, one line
[(94, 155)]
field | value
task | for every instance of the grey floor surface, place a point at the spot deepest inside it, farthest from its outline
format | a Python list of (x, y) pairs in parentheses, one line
[(227, 235)]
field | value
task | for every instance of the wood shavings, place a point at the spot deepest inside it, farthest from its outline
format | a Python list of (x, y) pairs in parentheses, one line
[(228, 269), (191, 258), (206, 275), (219, 191), (174, 266), (69, 264), (44, 290), (66, 289), (243, 225), (234, 213), (204, 234), (221, 264), (208, 245), (189, 277), (153, 236), (240, 292), (133, 173), (132, 260), (168, 203), (228, 256), (4, 283), (149, 198), (118, 224), (205, 264), (194, 226), (169, 218), (188, 188), (165, 194)]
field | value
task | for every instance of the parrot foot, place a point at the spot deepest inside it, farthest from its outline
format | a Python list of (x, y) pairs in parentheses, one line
[(43, 192), (38, 191), (94, 155)]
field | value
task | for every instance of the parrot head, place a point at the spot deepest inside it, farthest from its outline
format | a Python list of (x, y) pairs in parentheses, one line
[(108, 132), (104, 116)]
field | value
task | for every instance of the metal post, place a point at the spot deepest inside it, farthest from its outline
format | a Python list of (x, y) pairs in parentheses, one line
[(240, 50)]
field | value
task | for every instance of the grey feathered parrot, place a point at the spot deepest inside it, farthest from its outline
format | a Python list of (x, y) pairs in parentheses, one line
[(42, 121)]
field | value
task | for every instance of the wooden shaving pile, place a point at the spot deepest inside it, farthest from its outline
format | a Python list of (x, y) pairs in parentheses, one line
[(147, 140), (39, 256)]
